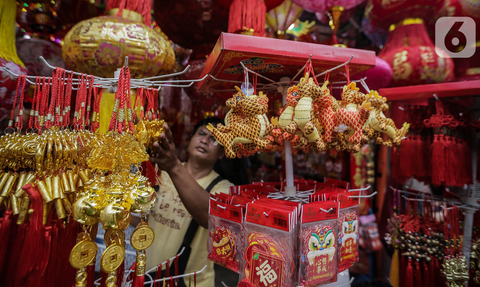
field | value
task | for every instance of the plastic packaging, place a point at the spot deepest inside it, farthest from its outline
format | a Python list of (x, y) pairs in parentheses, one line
[(270, 247), (318, 244), (225, 240)]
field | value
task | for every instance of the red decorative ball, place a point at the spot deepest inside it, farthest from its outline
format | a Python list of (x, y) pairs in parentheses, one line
[(189, 23), (384, 13)]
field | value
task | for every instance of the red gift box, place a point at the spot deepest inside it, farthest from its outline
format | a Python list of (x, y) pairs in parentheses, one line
[(274, 58)]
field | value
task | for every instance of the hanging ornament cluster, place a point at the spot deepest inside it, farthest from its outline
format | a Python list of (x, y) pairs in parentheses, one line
[(68, 179), (96, 46), (438, 138), (427, 244)]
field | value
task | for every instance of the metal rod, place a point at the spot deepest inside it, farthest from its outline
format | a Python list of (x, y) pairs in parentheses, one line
[(169, 75), (333, 69), (178, 276), (153, 269), (363, 196), (261, 76)]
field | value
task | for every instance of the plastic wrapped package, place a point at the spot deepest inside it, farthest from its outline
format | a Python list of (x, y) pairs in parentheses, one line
[(318, 243), (348, 234), (225, 240), (270, 247)]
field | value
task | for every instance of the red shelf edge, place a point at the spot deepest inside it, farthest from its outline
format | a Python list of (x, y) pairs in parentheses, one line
[(452, 89)]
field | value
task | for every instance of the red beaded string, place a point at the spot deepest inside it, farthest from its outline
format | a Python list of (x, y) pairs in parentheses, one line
[(347, 70), (60, 89)]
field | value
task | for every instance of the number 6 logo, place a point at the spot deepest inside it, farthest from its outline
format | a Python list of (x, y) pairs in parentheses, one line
[(455, 37)]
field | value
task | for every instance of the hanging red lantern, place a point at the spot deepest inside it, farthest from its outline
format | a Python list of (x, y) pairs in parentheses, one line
[(413, 57), (189, 23), (384, 13), (248, 16)]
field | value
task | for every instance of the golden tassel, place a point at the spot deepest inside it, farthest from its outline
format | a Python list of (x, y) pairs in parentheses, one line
[(394, 274), (8, 13)]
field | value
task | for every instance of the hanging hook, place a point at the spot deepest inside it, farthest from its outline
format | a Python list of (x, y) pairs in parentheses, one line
[(363, 196), (334, 68), (261, 76), (326, 211)]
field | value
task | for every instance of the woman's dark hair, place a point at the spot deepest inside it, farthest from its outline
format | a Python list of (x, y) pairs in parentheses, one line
[(210, 120)]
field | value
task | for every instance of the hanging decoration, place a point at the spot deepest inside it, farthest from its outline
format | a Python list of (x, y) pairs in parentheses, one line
[(280, 19), (98, 45), (413, 57), (248, 16), (8, 57)]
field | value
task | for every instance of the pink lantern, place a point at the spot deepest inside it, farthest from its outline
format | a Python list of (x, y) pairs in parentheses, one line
[(29, 50), (377, 77)]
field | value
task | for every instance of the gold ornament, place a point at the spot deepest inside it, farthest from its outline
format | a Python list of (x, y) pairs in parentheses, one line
[(142, 237), (83, 253), (112, 258)]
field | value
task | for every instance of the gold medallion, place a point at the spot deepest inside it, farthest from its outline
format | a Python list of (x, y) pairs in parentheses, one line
[(142, 237), (83, 254), (112, 258)]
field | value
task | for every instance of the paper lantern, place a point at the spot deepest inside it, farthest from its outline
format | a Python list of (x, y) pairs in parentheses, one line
[(384, 13), (30, 49), (324, 6), (412, 56), (248, 16), (377, 77), (280, 18), (99, 45), (189, 23)]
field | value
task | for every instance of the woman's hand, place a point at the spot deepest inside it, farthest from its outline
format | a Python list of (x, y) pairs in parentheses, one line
[(165, 153)]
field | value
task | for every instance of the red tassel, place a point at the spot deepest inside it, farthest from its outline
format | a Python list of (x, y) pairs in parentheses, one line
[(403, 269), (418, 274), (426, 156), (90, 275), (432, 271), (406, 153), (466, 162), (438, 160), (120, 274), (13, 258), (5, 226), (409, 274), (143, 7), (32, 246), (249, 14), (438, 277), (426, 275)]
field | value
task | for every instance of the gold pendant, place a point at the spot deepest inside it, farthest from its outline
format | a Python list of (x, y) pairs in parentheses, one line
[(142, 237), (83, 253), (112, 258)]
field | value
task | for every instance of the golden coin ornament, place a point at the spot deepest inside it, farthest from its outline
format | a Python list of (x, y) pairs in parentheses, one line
[(83, 253), (142, 237), (112, 258)]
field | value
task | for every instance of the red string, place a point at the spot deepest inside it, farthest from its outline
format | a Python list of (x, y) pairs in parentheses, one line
[(59, 88), (68, 100), (34, 101), (195, 278), (96, 108), (176, 267), (18, 95), (90, 91), (347, 70), (255, 84), (327, 76)]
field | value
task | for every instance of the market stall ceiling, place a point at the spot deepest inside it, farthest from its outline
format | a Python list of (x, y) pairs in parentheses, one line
[(274, 58)]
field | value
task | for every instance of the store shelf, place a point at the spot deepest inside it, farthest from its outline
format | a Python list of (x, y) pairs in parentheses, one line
[(453, 89), (274, 58)]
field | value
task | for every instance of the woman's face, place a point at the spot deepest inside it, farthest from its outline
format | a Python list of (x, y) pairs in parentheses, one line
[(202, 146)]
